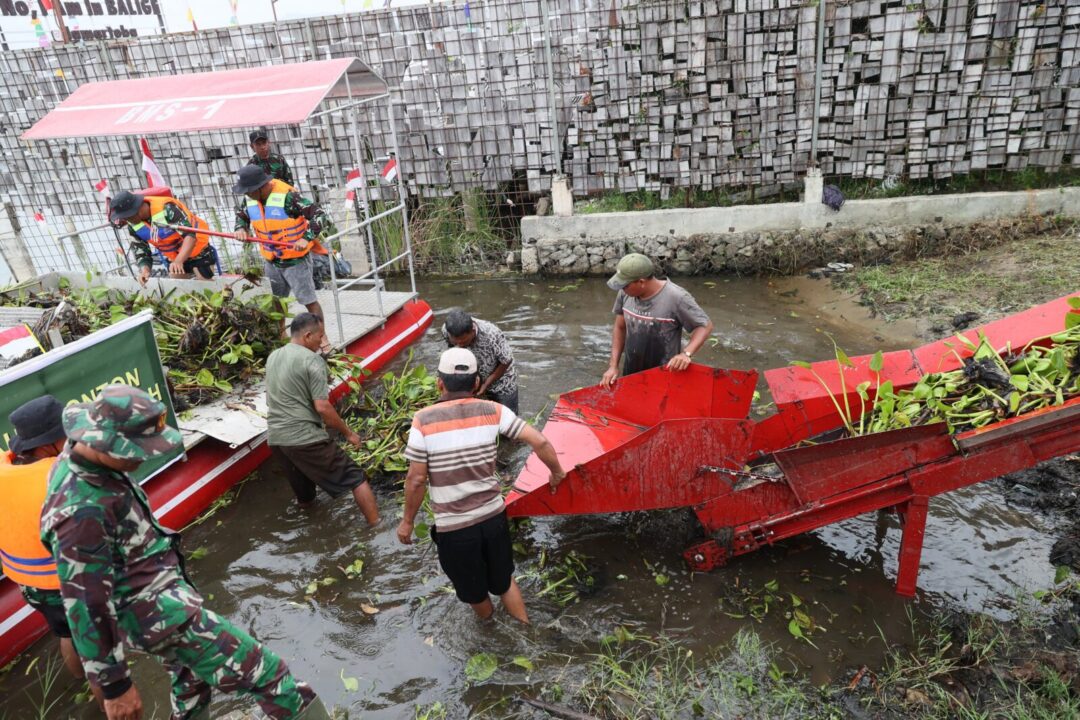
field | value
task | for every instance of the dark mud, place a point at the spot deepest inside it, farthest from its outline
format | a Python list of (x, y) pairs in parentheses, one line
[(1053, 487)]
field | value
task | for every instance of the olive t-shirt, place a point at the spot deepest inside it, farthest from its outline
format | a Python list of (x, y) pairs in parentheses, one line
[(295, 379), (654, 327)]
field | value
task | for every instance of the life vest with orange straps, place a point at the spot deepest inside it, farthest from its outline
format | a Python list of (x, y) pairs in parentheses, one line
[(270, 222), (164, 239), (25, 559)]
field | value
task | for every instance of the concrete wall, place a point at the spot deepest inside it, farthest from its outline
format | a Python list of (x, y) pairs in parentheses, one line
[(782, 237)]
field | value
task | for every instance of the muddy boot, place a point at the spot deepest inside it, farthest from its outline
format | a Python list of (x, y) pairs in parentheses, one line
[(314, 711)]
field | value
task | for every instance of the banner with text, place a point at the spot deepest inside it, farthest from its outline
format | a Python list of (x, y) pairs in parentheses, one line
[(33, 23), (125, 353)]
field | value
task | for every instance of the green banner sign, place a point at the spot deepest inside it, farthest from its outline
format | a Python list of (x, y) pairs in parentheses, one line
[(124, 353)]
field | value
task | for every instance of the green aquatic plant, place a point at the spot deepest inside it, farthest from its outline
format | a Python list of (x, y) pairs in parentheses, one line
[(381, 416)]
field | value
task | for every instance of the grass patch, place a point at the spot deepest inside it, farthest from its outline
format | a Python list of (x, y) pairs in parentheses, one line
[(453, 233), (978, 667), (635, 677), (1030, 178), (853, 188), (1022, 271), (649, 200)]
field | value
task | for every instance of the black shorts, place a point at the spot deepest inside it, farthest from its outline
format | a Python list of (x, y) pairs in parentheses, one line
[(204, 263), (53, 610), (323, 464), (479, 559)]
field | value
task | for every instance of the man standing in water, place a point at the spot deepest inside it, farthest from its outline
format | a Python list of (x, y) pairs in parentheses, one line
[(650, 316), (494, 358), (454, 443), (298, 398), (122, 576)]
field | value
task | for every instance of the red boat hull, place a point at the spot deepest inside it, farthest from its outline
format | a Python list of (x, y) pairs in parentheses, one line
[(185, 489)]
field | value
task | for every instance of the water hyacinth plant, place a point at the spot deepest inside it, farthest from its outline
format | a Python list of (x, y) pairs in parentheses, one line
[(991, 385)]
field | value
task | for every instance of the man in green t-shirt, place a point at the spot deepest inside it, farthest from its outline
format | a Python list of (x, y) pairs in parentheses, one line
[(298, 398)]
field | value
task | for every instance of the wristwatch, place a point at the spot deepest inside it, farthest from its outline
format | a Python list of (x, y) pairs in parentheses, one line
[(688, 354)]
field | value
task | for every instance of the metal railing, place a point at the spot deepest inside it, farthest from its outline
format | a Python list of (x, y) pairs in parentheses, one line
[(372, 275)]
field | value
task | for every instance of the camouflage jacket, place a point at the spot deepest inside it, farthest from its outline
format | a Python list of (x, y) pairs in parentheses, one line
[(295, 206), (144, 254), (274, 166), (121, 574)]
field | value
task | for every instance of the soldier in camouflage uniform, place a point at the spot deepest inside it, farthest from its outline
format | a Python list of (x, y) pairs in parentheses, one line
[(272, 164), (122, 576)]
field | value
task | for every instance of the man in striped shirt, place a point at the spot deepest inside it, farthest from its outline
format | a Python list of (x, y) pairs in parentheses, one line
[(453, 443)]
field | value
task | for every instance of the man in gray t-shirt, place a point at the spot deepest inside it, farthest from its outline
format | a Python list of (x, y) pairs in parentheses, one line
[(650, 316), (300, 413)]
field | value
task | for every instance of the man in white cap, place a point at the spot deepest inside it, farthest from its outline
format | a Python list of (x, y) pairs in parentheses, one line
[(454, 443), (650, 316)]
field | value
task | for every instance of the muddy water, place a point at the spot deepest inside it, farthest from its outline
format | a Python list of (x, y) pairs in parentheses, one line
[(262, 551)]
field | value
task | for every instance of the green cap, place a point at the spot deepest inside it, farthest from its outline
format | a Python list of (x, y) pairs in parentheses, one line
[(124, 422), (631, 268)]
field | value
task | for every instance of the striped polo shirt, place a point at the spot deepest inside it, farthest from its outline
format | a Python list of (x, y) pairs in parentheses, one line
[(457, 440)]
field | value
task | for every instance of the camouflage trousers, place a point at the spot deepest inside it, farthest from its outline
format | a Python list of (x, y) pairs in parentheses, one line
[(212, 653)]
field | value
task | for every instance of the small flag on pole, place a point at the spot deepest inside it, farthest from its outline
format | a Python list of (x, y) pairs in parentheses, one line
[(102, 186), (191, 19), (389, 171), (39, 216), (468, 16), (353, 181), (154, 178)]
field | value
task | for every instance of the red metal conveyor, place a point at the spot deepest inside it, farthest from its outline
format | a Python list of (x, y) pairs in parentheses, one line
[(667, 440)]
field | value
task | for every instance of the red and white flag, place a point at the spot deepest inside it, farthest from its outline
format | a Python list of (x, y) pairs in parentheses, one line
[(102, 186), (353, 182), (39, 216), (389, 171), (16, 342), (154, 178)]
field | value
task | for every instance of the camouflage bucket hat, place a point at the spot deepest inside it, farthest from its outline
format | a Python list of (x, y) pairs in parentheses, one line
[(124, 423)]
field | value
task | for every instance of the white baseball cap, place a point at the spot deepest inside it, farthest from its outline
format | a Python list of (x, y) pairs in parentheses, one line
[(457, 361)]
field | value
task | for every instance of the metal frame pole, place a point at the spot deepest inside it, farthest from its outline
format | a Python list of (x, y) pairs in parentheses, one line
[(556, 144), (372, 257), (123, 251), (817, 82), (401, 191)]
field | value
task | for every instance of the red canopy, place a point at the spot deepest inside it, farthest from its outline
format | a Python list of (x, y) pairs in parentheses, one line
[(270, 95)]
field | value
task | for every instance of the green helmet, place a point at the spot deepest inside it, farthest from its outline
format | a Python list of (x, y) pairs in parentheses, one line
[(124, 422)]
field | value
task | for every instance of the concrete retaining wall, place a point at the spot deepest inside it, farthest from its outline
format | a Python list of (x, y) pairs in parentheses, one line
[(781, 237)]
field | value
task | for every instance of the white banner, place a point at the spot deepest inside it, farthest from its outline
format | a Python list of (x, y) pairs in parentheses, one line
[(33, 23)]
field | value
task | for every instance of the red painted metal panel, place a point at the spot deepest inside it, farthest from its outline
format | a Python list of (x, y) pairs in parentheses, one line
[(660, 468), (821, 471), (223, 99), (591, 421), (647, 397), (789, 384), (746, 504)]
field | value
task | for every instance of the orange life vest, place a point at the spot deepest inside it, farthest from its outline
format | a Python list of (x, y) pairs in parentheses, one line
[(25, 559), (166, 240), (270, 222)]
